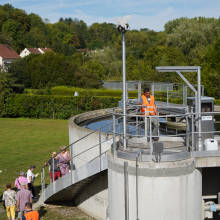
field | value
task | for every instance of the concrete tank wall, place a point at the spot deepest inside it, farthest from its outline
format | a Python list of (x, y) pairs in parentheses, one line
[(166, 190), (94, 199), (76, 132)]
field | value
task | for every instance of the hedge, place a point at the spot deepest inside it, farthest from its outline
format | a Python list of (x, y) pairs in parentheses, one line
[(60, 107), (69, 91), (49, 106)]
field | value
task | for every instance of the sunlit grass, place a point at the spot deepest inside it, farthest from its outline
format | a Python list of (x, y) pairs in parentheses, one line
[(28, 141)]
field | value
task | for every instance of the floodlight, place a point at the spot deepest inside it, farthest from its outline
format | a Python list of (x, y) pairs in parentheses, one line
[(122, 23)]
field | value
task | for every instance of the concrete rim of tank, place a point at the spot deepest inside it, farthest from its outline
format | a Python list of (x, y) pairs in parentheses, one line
[(168, 156), (74, 121)]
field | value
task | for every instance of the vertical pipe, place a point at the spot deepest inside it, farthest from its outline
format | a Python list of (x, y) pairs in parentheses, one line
[(202, 90), (136, 122), (139, 90), (127, 91), (151, 147), (124, 90), (152, 89), (192, 118), (114, 141), (100, 149), (185, 95), (126, 191), (137, 187), (167, 96), (199, 107)]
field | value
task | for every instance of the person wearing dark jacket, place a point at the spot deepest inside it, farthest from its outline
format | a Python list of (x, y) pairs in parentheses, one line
[(56, 168)]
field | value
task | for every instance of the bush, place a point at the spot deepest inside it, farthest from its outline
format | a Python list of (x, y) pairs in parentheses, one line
[(49, 106), (69, 91)]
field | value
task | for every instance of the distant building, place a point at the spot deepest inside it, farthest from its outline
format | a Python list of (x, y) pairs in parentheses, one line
[(28, 51), (7, 56)]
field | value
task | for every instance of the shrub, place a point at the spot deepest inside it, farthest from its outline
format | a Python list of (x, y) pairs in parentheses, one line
[(49, 106)]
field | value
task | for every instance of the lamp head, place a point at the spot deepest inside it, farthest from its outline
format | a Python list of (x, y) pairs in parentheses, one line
[(122, 23)]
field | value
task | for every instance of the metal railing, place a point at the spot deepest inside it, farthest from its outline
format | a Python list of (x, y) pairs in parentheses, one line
[(43, 176), (136, 123)]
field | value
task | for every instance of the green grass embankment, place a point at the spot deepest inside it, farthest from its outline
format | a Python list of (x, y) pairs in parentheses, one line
[(28, 141)]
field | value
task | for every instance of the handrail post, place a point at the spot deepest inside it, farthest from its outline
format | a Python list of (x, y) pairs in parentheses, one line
[(151, 147), (41, 178), (145, 118), (53, 178), (114, 141), (71, 162), (167, 96), (43, 192), (100, 149), (136, 122), (192, 119)]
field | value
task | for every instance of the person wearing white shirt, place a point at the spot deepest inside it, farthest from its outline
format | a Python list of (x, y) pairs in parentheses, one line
[(30, 179)]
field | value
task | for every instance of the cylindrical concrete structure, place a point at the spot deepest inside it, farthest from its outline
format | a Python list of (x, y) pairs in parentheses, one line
[(94, 199), (168, 190)]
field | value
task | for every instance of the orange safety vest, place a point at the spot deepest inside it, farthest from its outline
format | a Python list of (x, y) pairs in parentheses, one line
[(150, 107), (32, 215)]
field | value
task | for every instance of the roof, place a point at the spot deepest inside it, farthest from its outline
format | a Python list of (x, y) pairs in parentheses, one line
[(7, 52), (45, 49), (33, 50)]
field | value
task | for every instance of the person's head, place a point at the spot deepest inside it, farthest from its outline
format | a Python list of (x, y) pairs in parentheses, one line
[(8, 185), (63, 148), (21, 173), (147, 92), (28, 206), (53, 154), (23, 185), (32, 168)]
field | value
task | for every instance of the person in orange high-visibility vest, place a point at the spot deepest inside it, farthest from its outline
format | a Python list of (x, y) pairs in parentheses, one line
[(149, 108), (30, 214)]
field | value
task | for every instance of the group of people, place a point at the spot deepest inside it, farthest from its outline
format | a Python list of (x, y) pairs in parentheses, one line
[(61, 164), (22, 200)]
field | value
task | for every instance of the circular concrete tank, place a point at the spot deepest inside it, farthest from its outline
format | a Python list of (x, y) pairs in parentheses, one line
[(168, 190)]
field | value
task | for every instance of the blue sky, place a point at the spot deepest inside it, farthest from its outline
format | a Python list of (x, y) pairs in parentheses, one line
[(152, 14)]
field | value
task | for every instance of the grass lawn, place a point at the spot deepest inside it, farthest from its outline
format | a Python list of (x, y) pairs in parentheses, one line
[(28, 141)]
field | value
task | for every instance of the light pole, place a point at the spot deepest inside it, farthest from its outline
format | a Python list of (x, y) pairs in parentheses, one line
[(122, 27)]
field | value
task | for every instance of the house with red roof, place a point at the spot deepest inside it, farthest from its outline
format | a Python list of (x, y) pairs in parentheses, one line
[(28, 51), (7, 56)]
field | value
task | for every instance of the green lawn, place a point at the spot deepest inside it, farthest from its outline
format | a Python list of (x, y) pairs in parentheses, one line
[(28, 141)]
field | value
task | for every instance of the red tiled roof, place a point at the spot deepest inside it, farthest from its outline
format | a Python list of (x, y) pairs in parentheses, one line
[(7, 52), (33, 50), (45, 49), (0, 66)]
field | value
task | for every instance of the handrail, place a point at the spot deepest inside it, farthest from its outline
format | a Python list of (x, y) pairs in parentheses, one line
[(132, 113), (76, 142)]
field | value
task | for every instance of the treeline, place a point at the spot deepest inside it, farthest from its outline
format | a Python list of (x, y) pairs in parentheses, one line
[(184, 42)]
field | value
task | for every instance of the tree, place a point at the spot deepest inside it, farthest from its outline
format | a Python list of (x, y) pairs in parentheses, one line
[(5, 90), (131, 68), (211, 70), (96, 44), (21, 17)]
